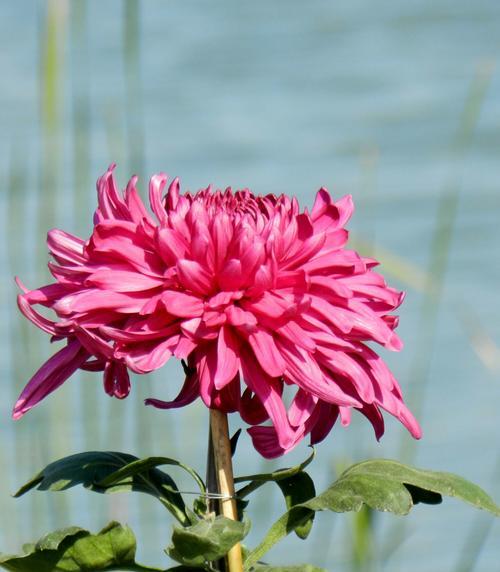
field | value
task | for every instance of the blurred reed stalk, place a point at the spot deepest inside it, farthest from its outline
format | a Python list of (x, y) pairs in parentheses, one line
[(82, 189), (440, 247), (83, 186), (134, 138), (16, 331), (134, 110), (479, 531), (53, 46), (361, 532)]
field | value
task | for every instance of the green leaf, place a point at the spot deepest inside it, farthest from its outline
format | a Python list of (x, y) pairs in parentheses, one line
[(142, 466), (183, 569), (421, 485), (234, 442), (77, 550), (296, 490), (259, 479), (279, 474), (208, 540), (382, 485), (93, 469), (295, 484), (300, 568)]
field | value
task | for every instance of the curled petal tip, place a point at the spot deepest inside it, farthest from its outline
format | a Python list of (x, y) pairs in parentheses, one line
[(21, 286)]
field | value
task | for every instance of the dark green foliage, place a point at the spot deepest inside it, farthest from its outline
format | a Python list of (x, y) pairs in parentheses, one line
[(111, 471)]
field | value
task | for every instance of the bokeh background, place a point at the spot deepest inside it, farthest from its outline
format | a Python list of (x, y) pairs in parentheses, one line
[(397, 103)]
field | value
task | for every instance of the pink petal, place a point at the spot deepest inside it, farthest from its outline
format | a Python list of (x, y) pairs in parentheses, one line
[(267, 353), (303, 370), (228, 362), (222, 233), (116, 380), (122, 281), (301, 408), (181, 304), (239, 317), (147, 356), (326, 416), (266, 441), (122, 241), (231, 276), (94, 299), (93, 343), (340, 363), (297, 335), (65, 248), (251, 409), (53, 373), (156, 186), (42, 322), (171, 245), (173, 194), (188, 393), (193, 277), (111, 203), (269, 394)]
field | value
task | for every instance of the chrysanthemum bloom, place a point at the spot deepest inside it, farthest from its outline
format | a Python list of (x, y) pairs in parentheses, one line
[(254, 294)]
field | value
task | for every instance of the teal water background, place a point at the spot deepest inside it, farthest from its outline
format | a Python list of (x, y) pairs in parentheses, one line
[(396, 103)]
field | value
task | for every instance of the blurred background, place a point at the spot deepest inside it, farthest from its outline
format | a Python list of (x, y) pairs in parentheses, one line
[(397, 103)]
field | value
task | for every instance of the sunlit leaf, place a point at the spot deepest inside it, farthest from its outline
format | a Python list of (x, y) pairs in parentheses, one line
[(77, 550), (381, 485), (208, 540), (300, 568)]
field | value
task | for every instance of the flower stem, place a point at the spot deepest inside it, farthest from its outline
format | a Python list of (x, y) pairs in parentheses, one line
[(225, 481)]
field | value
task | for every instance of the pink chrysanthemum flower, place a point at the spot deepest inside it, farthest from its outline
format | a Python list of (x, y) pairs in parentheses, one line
[(254, 294)]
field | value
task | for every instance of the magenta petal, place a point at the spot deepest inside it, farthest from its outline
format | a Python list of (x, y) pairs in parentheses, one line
[(53, 373), (156, 186), (188, 393), (148, 356), (42, 322), (251, 409), (228, 362), (326, 416), (267, 353), (193, 277), (65, 248), (303, 370), (231, 275), (182, 304), (116, 380), (122, 281), (301, 408), (171, 245), (268, 393), (266, 441)]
